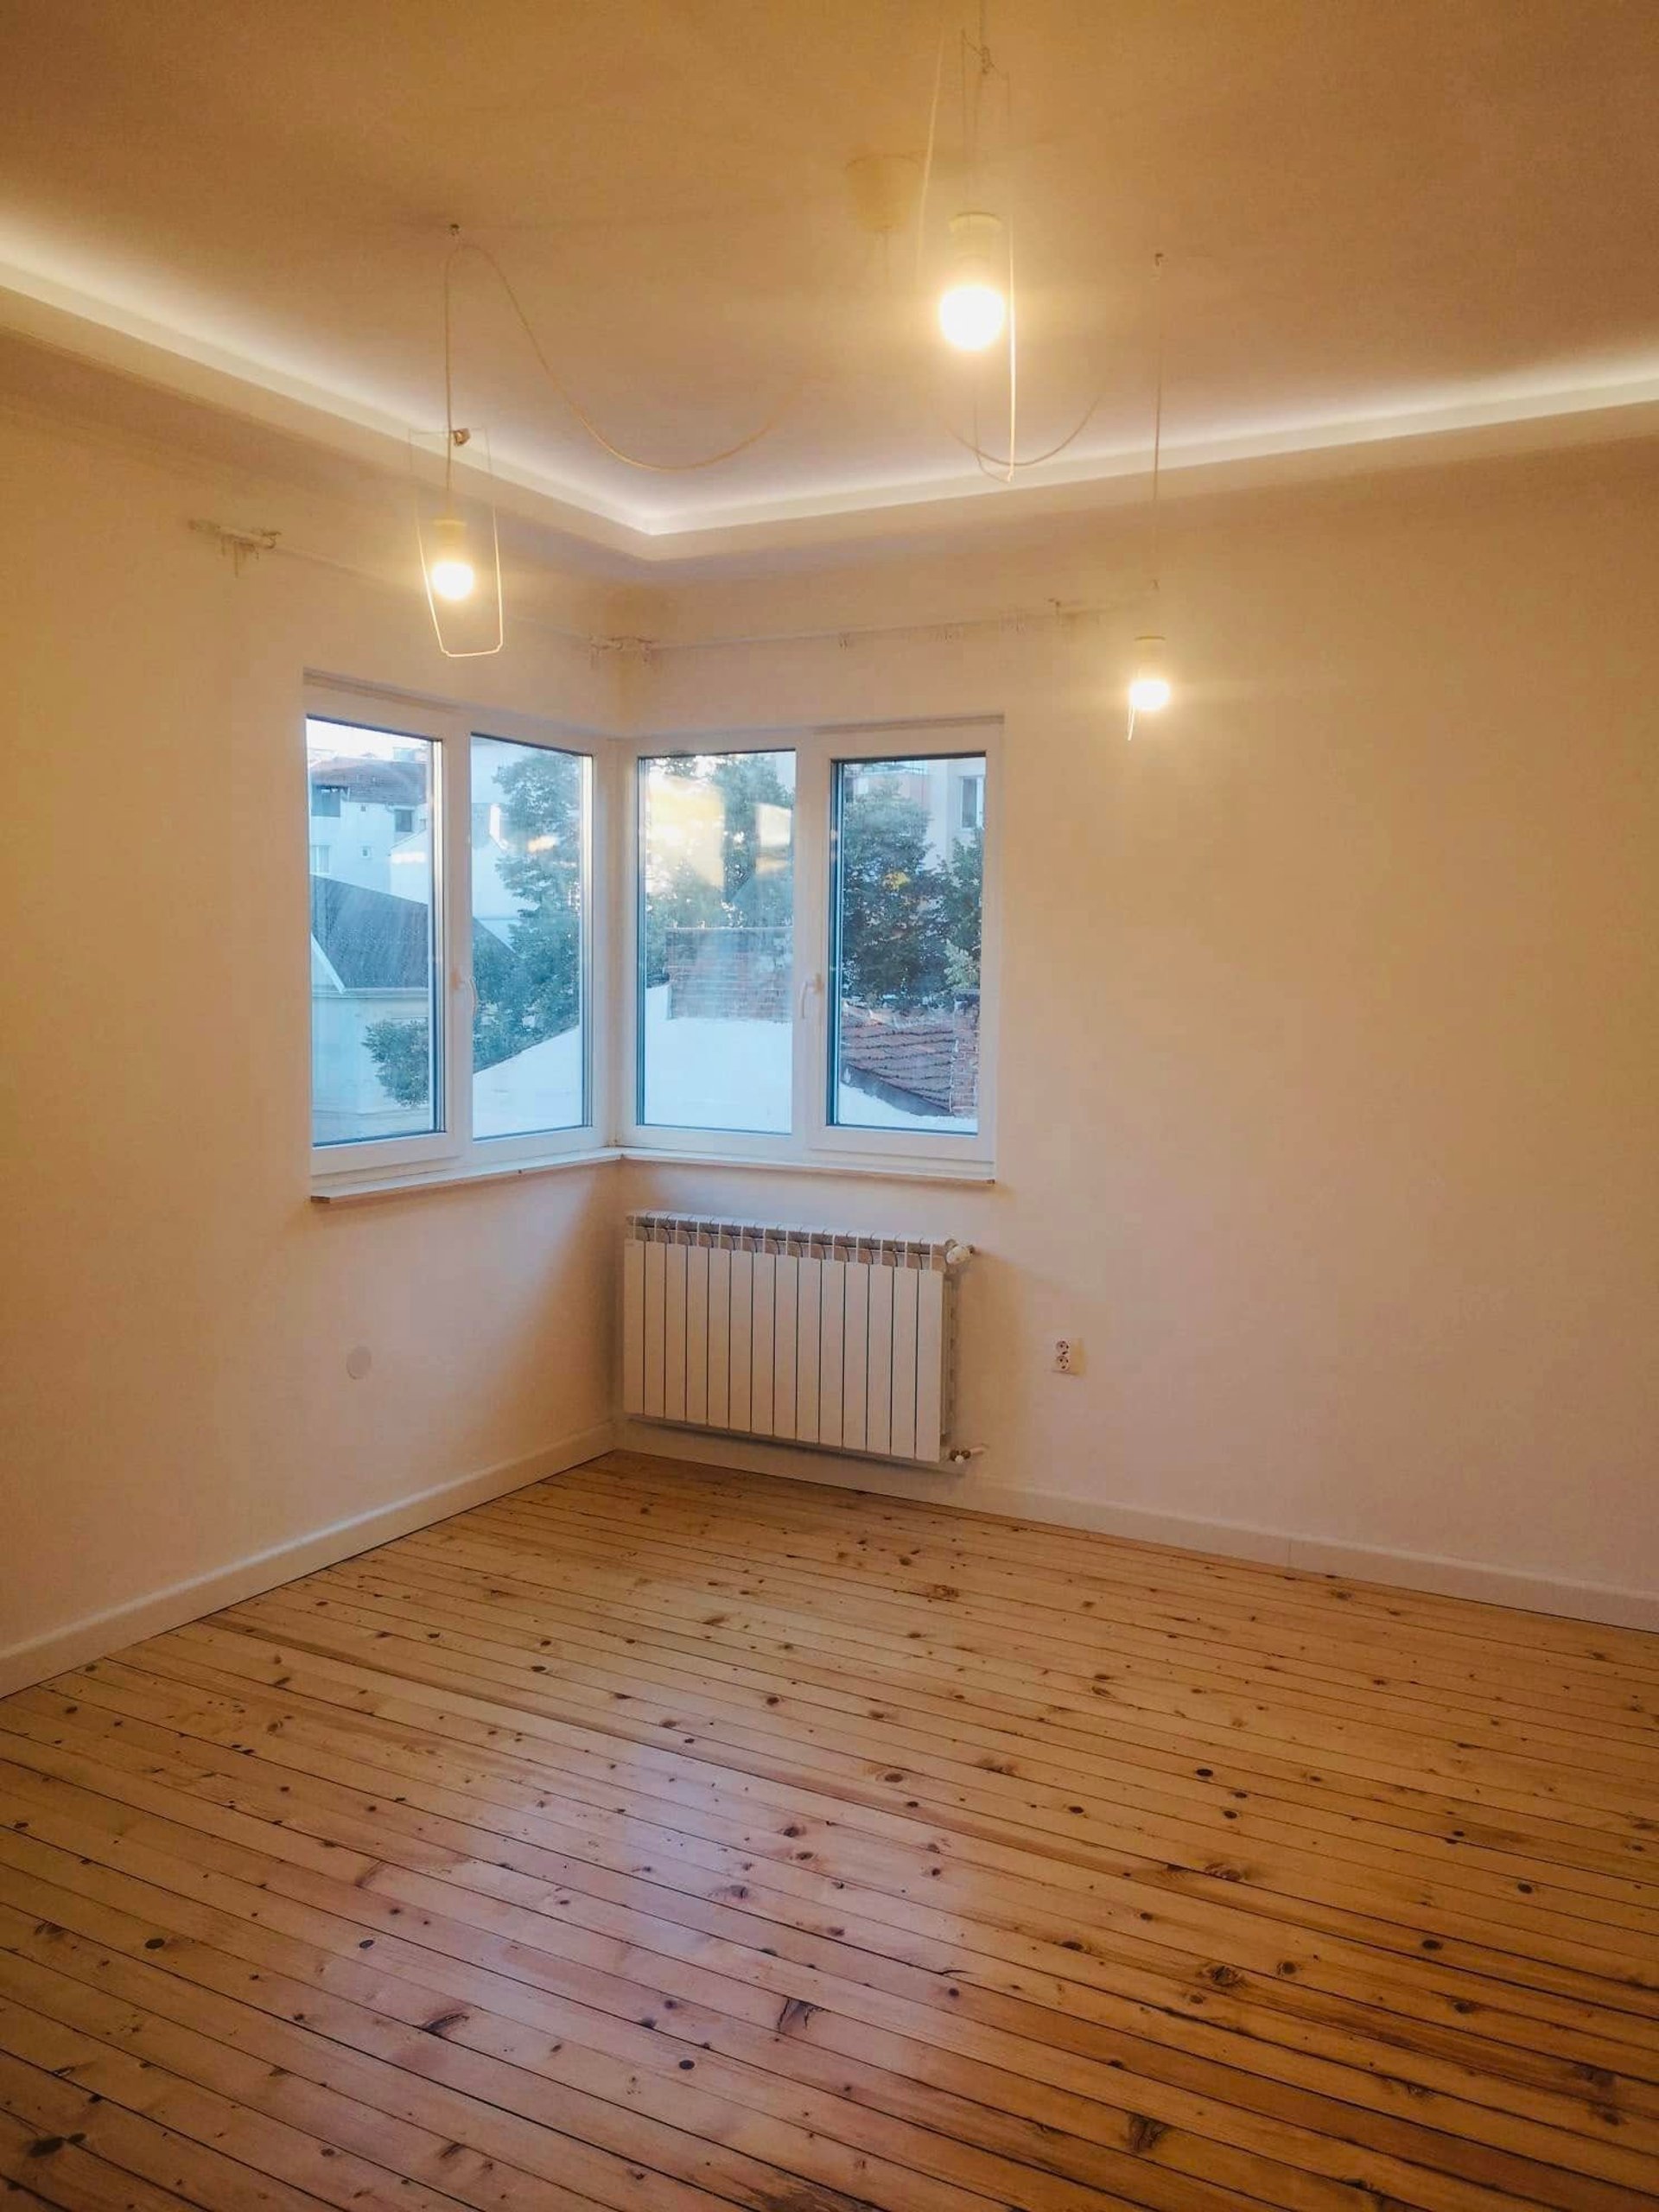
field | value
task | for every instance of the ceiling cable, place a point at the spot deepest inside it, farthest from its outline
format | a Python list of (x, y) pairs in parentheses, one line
[(1158, 415), (975, 63), (1032, 461), (448, 386), (1014, 360), (462, 246), (1057, 617), (1153, 548), (933, 139)]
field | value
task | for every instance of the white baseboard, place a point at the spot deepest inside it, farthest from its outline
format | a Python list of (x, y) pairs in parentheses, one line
[(1488, 1585), (96, 1634), (1426, 1571)]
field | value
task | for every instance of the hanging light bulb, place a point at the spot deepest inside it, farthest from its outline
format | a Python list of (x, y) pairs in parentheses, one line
[(1150, 691), (450, 573), (974, 305)]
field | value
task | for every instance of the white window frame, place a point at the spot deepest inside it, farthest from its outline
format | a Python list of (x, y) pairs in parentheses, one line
[(453, 1148), (814, 1139)]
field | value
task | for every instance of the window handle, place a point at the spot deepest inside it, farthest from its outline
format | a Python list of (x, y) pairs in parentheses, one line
[(811, 984)]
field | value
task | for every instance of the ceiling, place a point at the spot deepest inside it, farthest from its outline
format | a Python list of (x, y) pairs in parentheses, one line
[(1380, 219)]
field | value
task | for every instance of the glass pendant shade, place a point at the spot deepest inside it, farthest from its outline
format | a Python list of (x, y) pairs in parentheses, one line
[(974, 303), (1150, 690), (457, 543)]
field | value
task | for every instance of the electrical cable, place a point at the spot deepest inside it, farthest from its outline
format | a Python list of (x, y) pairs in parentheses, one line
[(1013, 359), (1154, 549), (1031, 460), (633, 461), (932, 138), (1157, 414), (1003, 468)]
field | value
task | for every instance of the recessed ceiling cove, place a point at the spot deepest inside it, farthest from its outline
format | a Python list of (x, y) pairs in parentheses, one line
[(1420, 219)]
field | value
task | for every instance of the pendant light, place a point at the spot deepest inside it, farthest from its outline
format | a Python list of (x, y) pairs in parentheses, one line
[(455, 529), (457, 540), (450, 571), (1150, 690), (974, 305)]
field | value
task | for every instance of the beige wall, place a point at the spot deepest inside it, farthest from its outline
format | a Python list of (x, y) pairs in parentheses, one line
[(177, 1313), (1329, 1068), (1329, 1049)]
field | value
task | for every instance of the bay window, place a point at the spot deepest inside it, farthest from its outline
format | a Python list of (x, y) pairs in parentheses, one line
[(801, 971)]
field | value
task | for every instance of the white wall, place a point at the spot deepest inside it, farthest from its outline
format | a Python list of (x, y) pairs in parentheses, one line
[(1330, 1045), (176, 1314)]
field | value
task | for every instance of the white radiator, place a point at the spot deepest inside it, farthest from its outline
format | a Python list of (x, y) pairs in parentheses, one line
[(805, 1336)]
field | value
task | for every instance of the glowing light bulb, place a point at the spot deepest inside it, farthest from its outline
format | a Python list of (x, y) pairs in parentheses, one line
[(1149, 694), (972, 316), (974, 305), (1150, 691), (449, 572), (452, 579)]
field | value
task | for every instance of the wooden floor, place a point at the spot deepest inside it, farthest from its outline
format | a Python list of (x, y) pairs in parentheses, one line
[(667, 1838)]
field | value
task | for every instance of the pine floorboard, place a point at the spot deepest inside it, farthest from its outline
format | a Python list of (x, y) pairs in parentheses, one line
[(664, 1838)]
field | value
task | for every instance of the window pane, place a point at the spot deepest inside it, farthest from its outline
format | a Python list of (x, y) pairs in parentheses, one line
[(910, 862), (716, 933), (374, 964), (530, 837)]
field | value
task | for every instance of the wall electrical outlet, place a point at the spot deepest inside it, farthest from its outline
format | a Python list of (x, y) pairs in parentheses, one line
[(1067, 1356)]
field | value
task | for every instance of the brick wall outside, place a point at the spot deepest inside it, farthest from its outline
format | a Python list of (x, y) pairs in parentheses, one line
[(728, 975)]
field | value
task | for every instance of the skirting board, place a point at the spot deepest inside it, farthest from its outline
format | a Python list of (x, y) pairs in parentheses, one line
[(1445, 1578), (99, 1634)]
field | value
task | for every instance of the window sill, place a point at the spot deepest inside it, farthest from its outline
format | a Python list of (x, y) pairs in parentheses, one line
[(365, 1190), (354, 1190), (887, 1170)]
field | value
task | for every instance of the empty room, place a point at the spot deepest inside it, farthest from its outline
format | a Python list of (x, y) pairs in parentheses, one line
[(829, 1364)]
